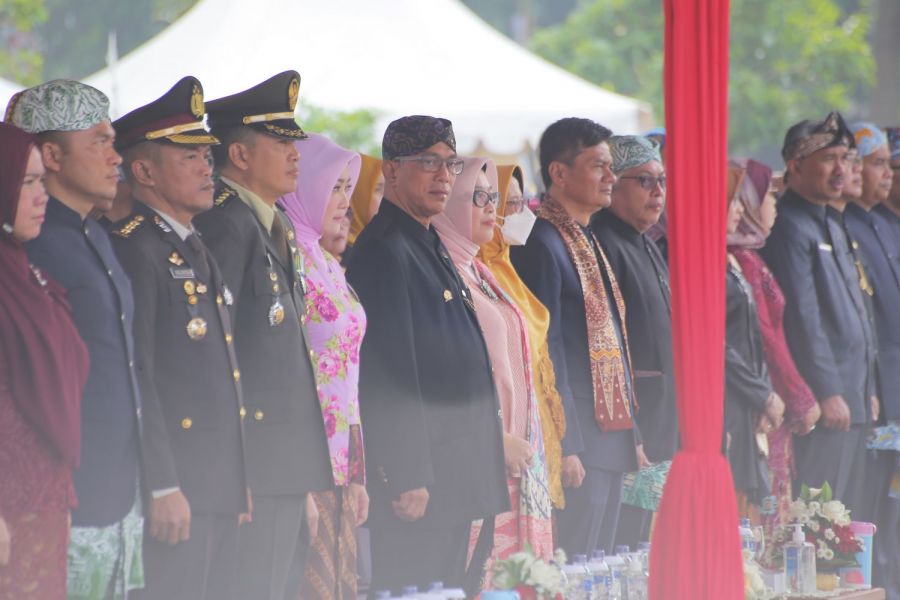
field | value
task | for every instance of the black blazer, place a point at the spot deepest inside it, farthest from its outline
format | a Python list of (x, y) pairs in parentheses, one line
[(747, 385), (77, 253), (643, 277), (878, 236), (429, 409), (286, 447), (192, 397), (825, 320), (544, 265)]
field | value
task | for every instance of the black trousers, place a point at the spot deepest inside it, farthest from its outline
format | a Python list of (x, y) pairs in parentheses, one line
[(272, 546), (634, 526), (204, 567), (591, 516), (886, 561), (416, 554), (838, 457)]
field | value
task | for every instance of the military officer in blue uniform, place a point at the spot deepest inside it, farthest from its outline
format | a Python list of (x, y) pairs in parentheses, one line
[(186, 363), (76, 143), (253, 243), (826, 320)]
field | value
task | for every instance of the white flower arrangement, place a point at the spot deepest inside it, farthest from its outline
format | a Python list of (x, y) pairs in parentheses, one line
[(754, 586), (826, 522), (836, 512), (522, 569)]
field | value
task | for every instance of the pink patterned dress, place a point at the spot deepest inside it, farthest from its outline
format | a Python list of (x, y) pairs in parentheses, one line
[(528, 524), (336, 325)]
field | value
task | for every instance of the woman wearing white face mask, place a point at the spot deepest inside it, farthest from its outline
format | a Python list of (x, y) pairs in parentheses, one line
[(495, 255)]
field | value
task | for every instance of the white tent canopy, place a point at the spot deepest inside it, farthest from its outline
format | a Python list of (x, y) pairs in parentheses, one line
[(7, 89), (394, 57)]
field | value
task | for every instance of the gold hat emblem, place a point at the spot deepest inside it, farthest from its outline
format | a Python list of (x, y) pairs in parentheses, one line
[(197, 107), (293, 92), (196, 329)]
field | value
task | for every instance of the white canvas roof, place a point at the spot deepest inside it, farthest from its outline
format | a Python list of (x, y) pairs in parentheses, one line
[(395, 57), (7, 89)]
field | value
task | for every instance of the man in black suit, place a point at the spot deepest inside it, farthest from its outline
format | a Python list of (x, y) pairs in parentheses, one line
[(193, 451), (826, 319), (638, 200), (429, 408), (565, 267), (876, 233), (253, 243)]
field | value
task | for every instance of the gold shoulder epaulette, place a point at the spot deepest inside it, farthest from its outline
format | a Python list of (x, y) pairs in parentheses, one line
[(223, 196), (128, 228)]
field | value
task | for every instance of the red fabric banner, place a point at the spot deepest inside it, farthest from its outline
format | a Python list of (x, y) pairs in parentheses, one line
[(696, 547)]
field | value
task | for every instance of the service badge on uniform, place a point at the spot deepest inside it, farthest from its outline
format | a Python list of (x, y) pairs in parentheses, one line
[(196, 329), (276, 314)]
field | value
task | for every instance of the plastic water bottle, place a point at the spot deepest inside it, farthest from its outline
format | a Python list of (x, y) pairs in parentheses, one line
[(437, 591), (576, 573), (616, 564), (747, 540), (600, 573), (644, 550), (636, 579)]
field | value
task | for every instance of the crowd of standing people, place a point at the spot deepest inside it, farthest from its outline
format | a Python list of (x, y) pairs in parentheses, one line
[(228, 344)]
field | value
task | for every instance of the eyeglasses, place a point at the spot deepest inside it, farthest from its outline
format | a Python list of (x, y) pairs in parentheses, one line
[(432, 163), (647, 182), (481, 198), (514, 205)]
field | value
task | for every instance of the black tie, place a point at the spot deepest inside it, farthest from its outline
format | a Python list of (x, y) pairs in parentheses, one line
[(201, 261), (280, 240)]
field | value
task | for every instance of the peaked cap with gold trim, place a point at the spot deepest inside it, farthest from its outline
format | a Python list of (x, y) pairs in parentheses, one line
[(267, 107), (176, 116)]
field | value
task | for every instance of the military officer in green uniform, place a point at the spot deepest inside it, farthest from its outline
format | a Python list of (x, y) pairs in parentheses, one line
[(193, 446), (253, 243)]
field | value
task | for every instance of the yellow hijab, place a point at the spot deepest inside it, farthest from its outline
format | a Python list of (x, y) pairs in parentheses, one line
[(495, 254), (361, 199)]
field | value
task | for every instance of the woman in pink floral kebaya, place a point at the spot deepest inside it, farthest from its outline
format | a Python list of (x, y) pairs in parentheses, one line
[(336, 324)]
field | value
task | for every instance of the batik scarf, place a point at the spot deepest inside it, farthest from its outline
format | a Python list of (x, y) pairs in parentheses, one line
[(612, 408)]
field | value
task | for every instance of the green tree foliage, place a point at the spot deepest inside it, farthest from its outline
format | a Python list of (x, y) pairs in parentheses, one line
[(20, 58), (789, 60), (352, 129), (75, 36)]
